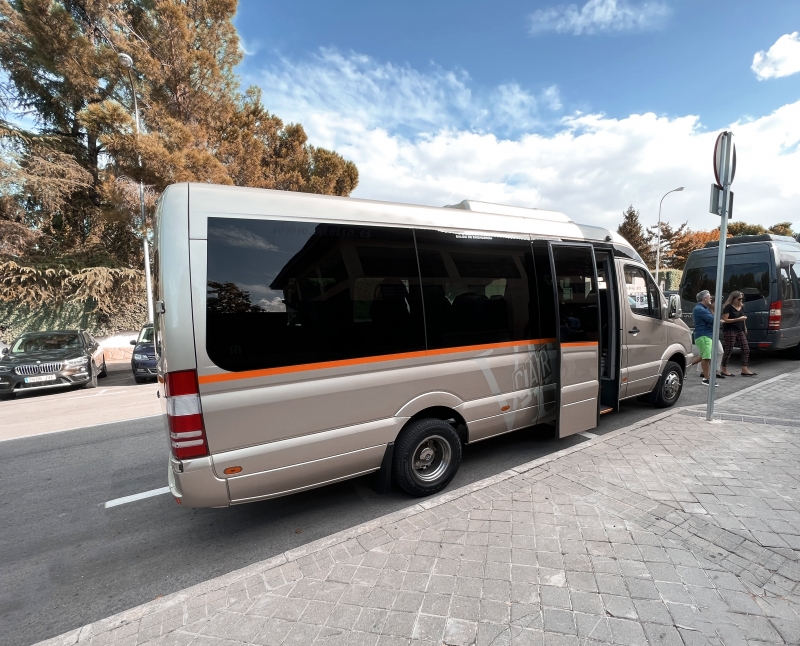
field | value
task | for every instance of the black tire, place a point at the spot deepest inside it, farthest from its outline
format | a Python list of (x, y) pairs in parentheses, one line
[(140, 380), (103, 371), (6, 397), (669, 387), (92, 383), (794, 353), (435, 448)]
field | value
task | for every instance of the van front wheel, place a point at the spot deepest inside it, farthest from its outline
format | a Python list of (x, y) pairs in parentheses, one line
[(427, 455), (669, 386)]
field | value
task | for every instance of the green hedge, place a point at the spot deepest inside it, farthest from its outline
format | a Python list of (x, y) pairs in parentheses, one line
[(670, 277), (17, 319)]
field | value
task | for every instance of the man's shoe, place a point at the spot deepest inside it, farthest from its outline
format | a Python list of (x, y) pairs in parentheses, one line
[(706, 383)]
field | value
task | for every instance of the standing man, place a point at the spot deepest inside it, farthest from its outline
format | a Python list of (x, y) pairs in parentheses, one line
[(703, 333)]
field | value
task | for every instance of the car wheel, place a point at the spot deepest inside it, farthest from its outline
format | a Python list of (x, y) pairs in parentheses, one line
[(794, 353), (6, 397), (427, 455), (92, 383), (103, 371), (140, 380), (669, 386)]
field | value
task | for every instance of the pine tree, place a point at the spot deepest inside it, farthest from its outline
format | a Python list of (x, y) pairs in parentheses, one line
[(72, 182), (631, 229)]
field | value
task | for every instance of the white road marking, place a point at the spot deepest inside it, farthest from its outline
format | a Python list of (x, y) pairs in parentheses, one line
[(136, 496), (588, 435)]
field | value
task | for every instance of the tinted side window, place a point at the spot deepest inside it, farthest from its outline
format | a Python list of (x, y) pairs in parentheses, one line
[(643, 296), (787, 277), (286, 293), (545, 303), (576, 286), (751, 278), (477, 289)]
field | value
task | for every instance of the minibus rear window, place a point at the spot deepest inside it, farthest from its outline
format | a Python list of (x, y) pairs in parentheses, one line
[(284, 293), (751, 278)]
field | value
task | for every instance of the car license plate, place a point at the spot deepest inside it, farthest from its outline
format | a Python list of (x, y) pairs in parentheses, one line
[(34, 380)]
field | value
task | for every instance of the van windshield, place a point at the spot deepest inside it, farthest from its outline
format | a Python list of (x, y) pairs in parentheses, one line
[(750, 278)]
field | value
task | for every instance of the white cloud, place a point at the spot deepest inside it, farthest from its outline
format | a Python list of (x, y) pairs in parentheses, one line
[(429, 147), (397, 97), (599, 15), (236, 237), (782, 59)]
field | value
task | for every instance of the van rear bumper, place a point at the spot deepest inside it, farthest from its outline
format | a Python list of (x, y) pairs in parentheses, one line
[(193, 483), (779, 340)]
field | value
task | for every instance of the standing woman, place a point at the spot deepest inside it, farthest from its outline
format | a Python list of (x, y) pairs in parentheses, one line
[(734, 329)]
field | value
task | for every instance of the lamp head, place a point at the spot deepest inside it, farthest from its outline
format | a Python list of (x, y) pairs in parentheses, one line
[(680, 188), (125, 60)]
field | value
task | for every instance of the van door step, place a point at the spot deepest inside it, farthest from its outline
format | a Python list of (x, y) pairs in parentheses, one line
[(603, 411)]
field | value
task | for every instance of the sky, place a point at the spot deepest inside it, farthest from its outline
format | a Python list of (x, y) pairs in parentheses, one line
[(584, 108)]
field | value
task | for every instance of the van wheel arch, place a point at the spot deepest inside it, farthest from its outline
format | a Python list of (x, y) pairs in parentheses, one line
[(680, 359), (446, 415)]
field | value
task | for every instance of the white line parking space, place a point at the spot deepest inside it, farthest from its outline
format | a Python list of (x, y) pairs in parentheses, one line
[(588, 435), (137, 496)]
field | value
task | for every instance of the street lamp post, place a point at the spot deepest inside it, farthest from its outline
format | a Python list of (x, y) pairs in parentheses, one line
[(127, 62), (658, 244)]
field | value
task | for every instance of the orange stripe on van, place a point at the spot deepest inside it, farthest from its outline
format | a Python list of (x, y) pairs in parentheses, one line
[(285, 370), (577, 344)]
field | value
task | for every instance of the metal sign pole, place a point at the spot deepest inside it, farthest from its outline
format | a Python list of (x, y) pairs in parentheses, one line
[(726, 177)]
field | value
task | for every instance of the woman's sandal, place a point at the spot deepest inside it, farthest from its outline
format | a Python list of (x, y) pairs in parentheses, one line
[(749, 374)]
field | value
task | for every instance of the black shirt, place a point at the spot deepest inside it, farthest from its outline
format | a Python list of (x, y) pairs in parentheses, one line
[(733, 313)]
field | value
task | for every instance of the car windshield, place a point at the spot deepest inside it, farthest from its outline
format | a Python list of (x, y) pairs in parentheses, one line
[(44, 342), (146, 335)]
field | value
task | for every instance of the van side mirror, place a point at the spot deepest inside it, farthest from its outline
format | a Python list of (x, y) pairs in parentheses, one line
[(5, 351), (674, 310), (133, 342)]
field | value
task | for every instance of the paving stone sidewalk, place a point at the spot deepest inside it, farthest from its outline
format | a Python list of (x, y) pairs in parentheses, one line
[(674, 531)]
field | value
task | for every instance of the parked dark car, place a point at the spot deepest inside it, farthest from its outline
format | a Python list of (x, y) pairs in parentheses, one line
[(143, 361), (50, 360)]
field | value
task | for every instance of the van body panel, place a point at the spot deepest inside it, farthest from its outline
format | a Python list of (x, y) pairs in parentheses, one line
[(429, 400), (306, 475), (210, 200), (177, 350), (643, 336), (498, 404), (305, 448), (252, 411), (580, 388), (483, 429), (193, 483)]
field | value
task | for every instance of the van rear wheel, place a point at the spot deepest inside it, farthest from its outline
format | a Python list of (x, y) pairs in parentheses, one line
[(669, 386), (427, 455)]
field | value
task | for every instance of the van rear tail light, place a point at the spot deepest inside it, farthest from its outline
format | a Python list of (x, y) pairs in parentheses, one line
[(186, 429), (775, 312)]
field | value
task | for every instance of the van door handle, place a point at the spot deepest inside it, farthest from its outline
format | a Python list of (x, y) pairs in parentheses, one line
[(634, 331)]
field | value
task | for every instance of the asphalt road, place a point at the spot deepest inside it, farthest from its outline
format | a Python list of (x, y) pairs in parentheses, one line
[(66, 560)]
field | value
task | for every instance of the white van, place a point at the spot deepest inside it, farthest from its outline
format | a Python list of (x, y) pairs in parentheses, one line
[(306, 339)]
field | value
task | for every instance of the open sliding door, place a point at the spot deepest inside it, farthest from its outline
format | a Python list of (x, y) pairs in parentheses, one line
[(575, 277)]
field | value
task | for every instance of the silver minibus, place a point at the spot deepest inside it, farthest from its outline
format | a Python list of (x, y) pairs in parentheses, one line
[(306, 339)]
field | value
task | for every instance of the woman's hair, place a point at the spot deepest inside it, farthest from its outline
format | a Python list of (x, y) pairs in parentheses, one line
[(732, 297)]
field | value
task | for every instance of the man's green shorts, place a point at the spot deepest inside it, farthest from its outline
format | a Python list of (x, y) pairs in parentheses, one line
[(703, 344)]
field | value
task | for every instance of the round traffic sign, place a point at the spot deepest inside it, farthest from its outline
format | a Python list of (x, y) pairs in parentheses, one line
[(718, 161)]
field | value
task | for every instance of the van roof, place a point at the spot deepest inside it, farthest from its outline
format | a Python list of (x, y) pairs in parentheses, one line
[(211, 200), (763, 237)]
